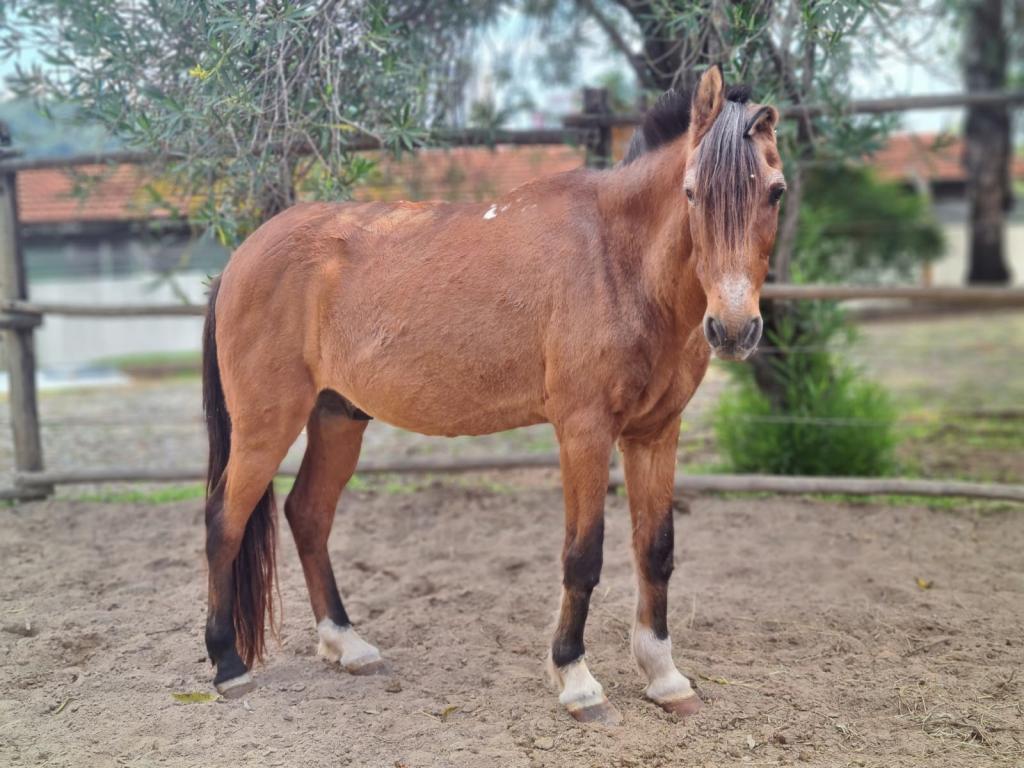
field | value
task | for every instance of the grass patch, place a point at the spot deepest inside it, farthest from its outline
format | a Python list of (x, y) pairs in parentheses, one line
[(934, 503), (702, 468), (162, 495), (282, 485), (183, 364), (143, 359)]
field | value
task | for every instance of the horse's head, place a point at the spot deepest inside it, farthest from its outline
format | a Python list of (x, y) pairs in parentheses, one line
[(733, 184)]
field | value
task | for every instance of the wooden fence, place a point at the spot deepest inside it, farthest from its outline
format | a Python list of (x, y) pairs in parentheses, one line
[(19, 317)]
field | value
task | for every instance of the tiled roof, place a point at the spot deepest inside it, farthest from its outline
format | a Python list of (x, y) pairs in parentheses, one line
[(119, 193), (927, 157), (89, 193)]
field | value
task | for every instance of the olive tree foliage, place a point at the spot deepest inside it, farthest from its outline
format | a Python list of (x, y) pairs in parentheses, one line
[(246, 103)]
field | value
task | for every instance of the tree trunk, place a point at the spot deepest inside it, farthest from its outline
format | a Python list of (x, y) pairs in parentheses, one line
[(987, 142)]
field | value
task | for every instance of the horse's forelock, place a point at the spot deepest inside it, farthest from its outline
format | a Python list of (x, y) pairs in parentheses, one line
[(725, 180)]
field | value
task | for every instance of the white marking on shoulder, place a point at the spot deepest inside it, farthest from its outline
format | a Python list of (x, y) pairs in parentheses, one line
[(491, 212), (344, 645), (654, 657)]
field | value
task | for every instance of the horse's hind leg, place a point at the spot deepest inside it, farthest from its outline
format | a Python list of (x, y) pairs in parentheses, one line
[(240, 547), (335, 435)]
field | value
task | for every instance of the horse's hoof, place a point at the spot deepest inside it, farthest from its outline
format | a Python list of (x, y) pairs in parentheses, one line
[(684, 707), (602, 712), (236, 687), (375, 667)]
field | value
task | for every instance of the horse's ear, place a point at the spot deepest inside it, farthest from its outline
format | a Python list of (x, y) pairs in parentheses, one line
[(763, 120), (708, 101)]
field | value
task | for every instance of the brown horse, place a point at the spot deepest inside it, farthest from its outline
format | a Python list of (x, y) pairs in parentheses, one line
[(591, 300)]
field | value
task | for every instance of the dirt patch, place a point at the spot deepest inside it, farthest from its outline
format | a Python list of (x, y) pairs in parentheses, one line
[(802, 624)]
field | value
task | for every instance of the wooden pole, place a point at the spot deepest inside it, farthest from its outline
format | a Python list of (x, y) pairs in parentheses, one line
[(18, 341), (599, 146)]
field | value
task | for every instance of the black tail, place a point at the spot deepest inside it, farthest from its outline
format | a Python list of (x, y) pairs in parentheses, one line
[(254, 568)]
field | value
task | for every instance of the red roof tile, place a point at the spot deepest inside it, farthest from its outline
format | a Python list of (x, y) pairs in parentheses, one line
[(119, 193), (926, 157), (89, 193)]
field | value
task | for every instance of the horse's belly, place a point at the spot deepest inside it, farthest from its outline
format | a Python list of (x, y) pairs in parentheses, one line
[(453, 423), (436, 393)]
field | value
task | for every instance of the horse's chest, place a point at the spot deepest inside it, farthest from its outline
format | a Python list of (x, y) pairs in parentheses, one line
[(671, 382)]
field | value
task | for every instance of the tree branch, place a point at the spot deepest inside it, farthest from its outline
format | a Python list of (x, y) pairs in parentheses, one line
[(616, 38)]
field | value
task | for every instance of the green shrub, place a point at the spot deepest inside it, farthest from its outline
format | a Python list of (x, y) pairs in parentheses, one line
[(856, 228), (819, 417)]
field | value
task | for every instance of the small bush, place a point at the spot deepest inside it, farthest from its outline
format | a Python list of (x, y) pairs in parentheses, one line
[(857, 228), (823, 418)]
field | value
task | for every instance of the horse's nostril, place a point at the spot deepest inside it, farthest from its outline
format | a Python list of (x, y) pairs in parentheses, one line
[(714, 331), (751, 334)]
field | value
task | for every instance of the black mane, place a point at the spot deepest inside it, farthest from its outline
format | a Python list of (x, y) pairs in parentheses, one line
[(669, 119)]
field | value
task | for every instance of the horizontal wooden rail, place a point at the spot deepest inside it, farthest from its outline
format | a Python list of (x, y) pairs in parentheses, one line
[(116, 157), (951, 295), (855, 107), (685, 484), (853, 486), (196, 473), (102, 310), (982, 297), (19, 321), (922, 102), (468, 137), (573, 128)]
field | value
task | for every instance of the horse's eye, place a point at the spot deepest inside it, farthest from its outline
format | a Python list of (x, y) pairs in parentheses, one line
[(689, 194), (775, 194)]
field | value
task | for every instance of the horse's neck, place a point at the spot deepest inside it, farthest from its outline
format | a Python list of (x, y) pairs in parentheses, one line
[(644, 206)]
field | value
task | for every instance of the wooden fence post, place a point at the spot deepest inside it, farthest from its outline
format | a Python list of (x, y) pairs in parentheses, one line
[(599, 147), (18, 341)]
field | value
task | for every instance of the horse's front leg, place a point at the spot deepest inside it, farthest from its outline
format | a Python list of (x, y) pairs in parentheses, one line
[(585, 447), (650, 468)]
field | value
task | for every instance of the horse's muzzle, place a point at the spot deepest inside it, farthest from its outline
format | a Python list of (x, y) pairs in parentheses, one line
[(732, 344)]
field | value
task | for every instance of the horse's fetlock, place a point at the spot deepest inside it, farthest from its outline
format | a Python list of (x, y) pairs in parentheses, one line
[(220, 640)]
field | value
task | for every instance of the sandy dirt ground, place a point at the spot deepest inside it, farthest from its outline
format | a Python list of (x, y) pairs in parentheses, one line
[(802, 623)]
